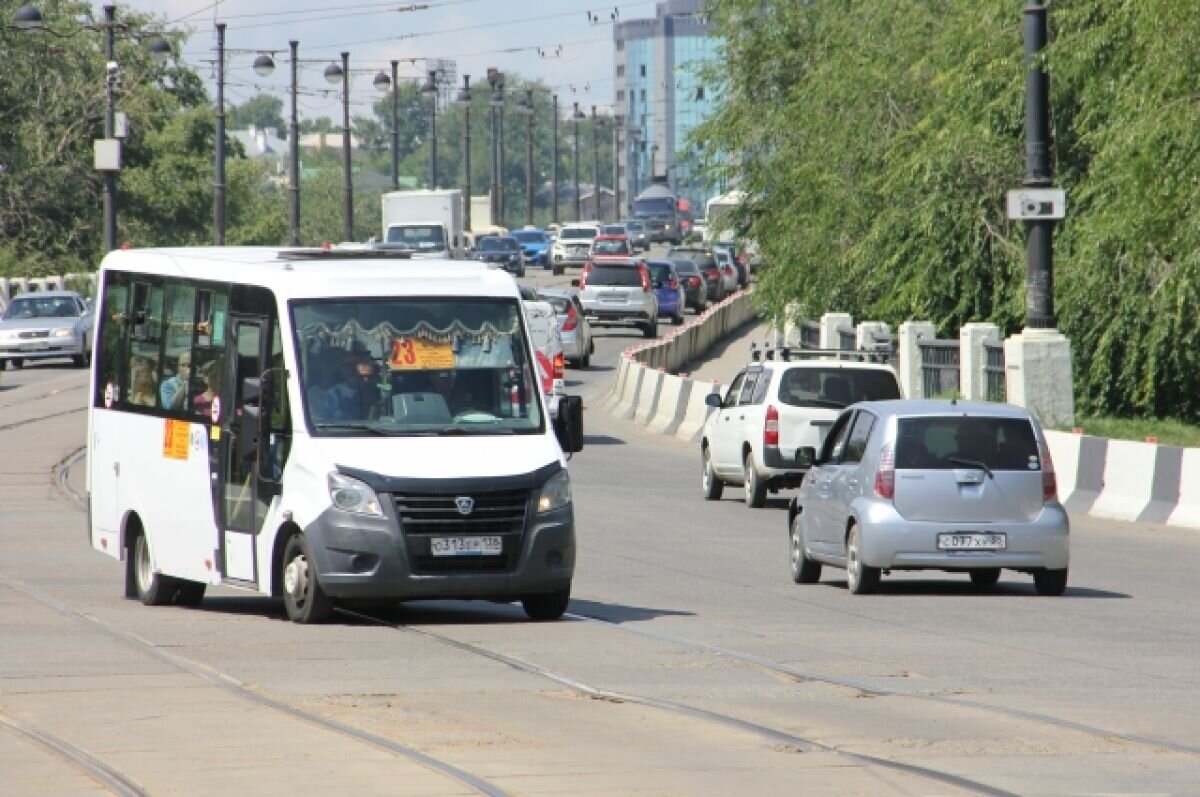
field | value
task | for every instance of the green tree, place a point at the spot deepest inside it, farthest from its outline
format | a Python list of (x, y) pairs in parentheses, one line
[(262, 111)]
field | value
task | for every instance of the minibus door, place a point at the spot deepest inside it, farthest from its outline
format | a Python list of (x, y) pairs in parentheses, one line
[(245, 496)]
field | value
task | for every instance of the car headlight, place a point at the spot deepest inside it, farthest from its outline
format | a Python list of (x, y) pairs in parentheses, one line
[(351, 495), (556, 492), (62, 333), (8, 335)]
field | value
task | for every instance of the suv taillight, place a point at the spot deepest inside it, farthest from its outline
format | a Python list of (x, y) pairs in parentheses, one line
[(572, 316), (645, 272), (1049, 480), (885, 476), (771, 427)]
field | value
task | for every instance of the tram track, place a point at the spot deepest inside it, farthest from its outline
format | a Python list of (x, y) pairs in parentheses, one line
[(112, 779)]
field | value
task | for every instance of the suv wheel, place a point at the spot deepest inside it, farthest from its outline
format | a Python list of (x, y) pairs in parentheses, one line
[(709, 481), (804, 570), (861, 579), (756, 488)]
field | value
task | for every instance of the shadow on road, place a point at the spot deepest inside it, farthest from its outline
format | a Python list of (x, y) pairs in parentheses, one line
[(617, 613), (602, 440), (1012, 585)]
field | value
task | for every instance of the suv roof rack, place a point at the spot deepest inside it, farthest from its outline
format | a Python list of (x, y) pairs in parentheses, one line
[(375, 251), (788, 354)]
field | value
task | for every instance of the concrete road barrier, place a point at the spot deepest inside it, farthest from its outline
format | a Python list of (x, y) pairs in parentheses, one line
[(672, 404), (648, 396), (1079, 468), (697, 411), (1187, 510), (1141, 482)]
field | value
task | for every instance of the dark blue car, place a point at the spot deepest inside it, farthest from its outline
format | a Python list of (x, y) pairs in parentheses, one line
[(669, 290), (535, 243)]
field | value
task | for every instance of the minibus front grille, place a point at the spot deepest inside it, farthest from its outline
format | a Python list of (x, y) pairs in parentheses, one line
[(425, 516)]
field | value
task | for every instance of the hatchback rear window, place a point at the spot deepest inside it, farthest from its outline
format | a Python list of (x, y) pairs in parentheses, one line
[(947, 442), (560, 303), (623, 276), (836, 387)]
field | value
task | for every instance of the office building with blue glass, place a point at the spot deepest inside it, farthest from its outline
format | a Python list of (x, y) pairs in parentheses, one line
[(659, 98)]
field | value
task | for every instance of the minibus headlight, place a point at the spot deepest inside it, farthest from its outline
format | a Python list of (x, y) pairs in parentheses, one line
[(556, 492), (351, 495)]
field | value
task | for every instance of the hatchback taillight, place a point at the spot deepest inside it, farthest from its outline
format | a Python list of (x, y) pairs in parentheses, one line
[(645, 272), (694, 282), (885, 475), (560, 365), (572, 319), (771, 427), (1049, 480)]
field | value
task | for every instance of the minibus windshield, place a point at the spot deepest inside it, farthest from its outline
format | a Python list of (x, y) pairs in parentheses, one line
[(415, 367)]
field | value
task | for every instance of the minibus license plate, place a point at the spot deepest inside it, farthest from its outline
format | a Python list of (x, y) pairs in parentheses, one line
[(465, 546), (971, 541)]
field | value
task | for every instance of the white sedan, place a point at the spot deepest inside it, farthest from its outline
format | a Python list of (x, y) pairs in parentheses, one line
[(46, 325)]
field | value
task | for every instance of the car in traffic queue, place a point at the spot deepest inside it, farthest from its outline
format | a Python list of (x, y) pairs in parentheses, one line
[(542, 322), (737, 253), (964, 487), (618, 292), (703, 258), (611, 245), (668, 289), (776, 405), (731, 278), (695, 284), (535, 245), (504, 251), (639, 236), (46, 325), (573, 246), (577, 341)]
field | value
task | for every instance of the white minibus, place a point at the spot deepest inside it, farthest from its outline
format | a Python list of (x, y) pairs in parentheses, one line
[(326, 426)]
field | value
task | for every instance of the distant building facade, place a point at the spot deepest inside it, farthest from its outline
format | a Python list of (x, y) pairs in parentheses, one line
[(660, 98)]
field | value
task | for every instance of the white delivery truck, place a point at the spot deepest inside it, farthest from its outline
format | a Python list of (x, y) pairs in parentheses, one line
[(428, 221)]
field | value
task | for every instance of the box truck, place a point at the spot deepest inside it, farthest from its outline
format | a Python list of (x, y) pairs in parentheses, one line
[(428, 221)]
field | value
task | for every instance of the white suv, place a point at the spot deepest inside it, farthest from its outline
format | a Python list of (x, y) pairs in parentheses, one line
[(572, 246), (774, 407)]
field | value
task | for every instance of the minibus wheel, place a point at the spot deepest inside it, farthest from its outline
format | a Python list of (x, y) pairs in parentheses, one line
[(548, 605), (153, 589), (303, 597)]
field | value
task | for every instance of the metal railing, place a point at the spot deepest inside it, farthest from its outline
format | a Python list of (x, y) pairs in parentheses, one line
[(939, 368), (810, 334), (993, 372), (847, 339)]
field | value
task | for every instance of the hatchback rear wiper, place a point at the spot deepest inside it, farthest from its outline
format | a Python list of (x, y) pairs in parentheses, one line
[(974, 463)]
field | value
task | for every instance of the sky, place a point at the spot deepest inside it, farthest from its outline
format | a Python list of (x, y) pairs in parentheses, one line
[(567, 44)]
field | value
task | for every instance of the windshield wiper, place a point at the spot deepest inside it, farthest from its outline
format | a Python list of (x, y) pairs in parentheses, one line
[(974, 463), (480, 429), (352, 425)]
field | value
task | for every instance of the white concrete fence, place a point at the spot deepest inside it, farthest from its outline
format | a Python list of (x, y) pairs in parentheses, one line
[(13, 286)]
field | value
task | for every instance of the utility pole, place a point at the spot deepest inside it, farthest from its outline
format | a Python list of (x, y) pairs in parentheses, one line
[(219, 170), (575, 122), (595, 167), (464, 99), (616, 175), (395, 126), (110, 125), (294, 153), (554, 161), (529, 157), (347, 185)]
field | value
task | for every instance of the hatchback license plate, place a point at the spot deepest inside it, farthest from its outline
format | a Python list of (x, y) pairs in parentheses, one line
[(971, 541), (465, 546)]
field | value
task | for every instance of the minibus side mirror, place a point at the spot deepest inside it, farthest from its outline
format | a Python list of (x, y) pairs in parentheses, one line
[(568, 425)]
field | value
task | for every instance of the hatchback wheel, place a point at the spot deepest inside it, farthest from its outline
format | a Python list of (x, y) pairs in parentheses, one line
[(651, 329), (985, 576), (1050, 582), (804, 570), (709, 481), (756, 488), (862, 579)]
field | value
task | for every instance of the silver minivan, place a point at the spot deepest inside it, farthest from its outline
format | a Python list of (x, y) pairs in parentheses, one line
[(965, 487)]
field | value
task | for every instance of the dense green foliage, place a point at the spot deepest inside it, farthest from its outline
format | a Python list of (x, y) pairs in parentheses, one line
[(877, 141)]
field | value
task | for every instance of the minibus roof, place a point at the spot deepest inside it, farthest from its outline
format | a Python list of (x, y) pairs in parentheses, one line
[(310, 273)]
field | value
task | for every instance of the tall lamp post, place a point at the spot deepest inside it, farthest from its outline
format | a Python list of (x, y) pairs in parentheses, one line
[(384, 83), (495, 79), (554, 161), (108, 149), (526, 110), (616, 175), (294, 153), (595, 166), (575, 117), (335, 74), (464, 100), (633, 160), (430, 89)]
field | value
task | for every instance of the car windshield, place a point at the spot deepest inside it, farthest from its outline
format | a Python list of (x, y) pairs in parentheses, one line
[(614, 247), (498, 245), (41, 307), (416, 367), (613, 229), (686, 266), (661, 272), (576, 233), (948, 442), (422, 236), (530, 237), (620, 276), (835, 387)]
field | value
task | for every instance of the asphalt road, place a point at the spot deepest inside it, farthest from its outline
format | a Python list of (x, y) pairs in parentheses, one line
[(689, 664)]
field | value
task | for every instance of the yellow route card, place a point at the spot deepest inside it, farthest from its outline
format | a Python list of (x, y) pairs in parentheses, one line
[(175, 439), (418, 354)]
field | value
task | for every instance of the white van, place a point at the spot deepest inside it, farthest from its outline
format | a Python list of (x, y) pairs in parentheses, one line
[(325, 426)]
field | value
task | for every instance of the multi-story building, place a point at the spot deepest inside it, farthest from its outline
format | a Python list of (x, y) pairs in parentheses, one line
[(660, 98)]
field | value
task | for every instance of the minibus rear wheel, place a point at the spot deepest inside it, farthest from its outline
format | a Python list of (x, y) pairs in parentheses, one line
[(153, 589), (303, 597)]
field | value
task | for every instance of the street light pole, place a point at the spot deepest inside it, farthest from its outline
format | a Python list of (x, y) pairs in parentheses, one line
[(616, 175), (554, 160), (110, 124), (528, 111), (395, 126), (347, 186), (219, 166), (595, 167), (575, 121), (430, 88), (294, 151), (1039, 173), (464, 99)]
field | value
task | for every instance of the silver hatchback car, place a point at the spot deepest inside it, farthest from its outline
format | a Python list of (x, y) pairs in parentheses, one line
[(965, 487)]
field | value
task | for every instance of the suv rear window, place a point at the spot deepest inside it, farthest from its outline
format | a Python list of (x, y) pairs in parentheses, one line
[(624, 276), (947, 442), (836, 387)]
